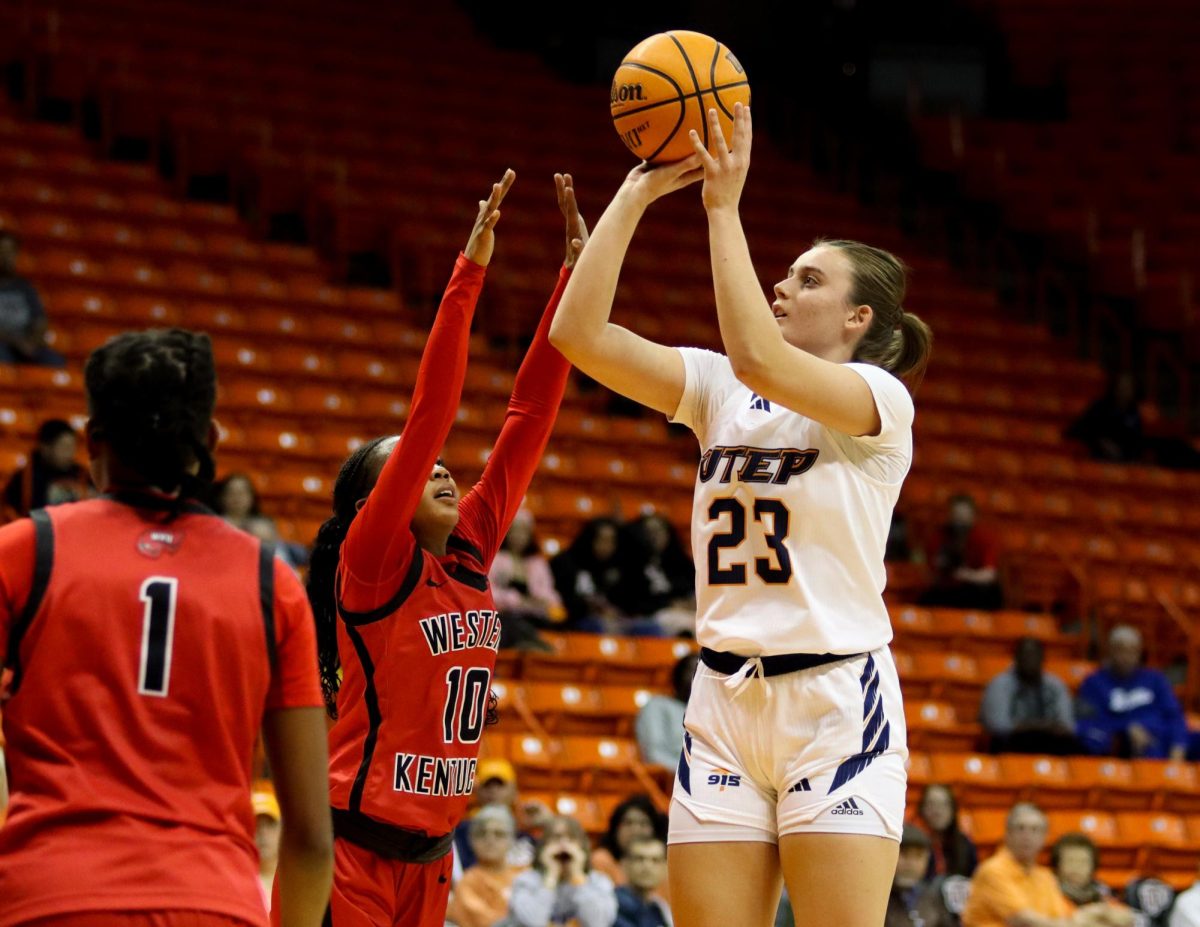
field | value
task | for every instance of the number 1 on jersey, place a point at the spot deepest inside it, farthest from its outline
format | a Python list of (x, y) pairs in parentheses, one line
[(159, 593), (466, 705)]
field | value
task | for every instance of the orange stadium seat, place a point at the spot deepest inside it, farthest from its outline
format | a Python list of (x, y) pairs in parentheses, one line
[(565, 708), (954, 677), (1045, 780), (1175, 786), (1101, 827), (1114, 785), (1162, 838), (933, 726), (604, 764), (977, 780), (588, 810), (920, 774), (535, 761), (577, 657), (985, 826), (512, 708)]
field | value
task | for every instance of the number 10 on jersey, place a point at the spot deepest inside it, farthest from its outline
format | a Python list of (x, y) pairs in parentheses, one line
[(466, 704)]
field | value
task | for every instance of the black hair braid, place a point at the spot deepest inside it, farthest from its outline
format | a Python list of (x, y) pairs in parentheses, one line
[(350, 486), (151, 396)]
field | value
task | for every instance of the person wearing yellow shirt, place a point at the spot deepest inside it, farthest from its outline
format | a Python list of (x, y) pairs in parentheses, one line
[(1010, 889)]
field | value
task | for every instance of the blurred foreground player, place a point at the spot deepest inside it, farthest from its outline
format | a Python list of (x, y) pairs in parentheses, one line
[(149, 642)]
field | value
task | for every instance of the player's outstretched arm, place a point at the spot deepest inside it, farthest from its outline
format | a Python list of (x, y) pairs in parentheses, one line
[(379, 542), (646, 372), (488, 510), (825, 391), (296, 746)]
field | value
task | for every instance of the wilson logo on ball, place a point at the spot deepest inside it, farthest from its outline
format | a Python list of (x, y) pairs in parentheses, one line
[(627, 93)]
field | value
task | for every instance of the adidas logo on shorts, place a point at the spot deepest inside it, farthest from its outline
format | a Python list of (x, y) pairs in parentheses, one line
[(849, 806)]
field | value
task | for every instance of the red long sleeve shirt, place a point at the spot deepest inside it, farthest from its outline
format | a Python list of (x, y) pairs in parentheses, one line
[(419, 633)]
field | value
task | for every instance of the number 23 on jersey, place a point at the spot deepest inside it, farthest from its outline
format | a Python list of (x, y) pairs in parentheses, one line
[(775, 520)]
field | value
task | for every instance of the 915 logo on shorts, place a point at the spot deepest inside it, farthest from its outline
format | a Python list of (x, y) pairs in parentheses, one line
[(725, 780)]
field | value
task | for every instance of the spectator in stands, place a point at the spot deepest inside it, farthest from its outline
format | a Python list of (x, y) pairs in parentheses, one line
[(661, 579), (639, 903), (236, 500), (266, 835), (965, 561), (496, 784), (913, 899), (1111, 427), (659, 725), (1074, 860), (522, 583), (1129, 710), (1027, 710), (51, 476), (1153, 899), (633, 819), (561, 888), (1010, 889), (953, 853), (22, 316), (901, 545), (480, 899), (589, 575), (1186, 912)]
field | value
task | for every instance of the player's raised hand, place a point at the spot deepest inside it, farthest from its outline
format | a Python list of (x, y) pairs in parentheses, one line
[(646, 183), (725, 172), (577, 232), (483, 239)]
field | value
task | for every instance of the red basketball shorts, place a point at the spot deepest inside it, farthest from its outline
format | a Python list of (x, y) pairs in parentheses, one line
[(370, 891)]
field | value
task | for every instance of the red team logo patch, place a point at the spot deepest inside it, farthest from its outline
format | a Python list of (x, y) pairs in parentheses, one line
[(157, 541)]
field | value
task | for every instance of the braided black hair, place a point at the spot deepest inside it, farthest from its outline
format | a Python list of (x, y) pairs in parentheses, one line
[(352, 484), (150, 397)]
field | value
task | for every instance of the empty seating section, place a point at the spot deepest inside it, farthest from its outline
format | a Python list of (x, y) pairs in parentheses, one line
[(1111, 183), (373, 152)]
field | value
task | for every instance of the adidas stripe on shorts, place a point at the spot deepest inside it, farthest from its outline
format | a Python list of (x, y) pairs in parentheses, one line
[(820, 750)]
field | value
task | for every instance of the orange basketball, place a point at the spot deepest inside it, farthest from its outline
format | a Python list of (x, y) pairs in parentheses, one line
[(664, 88)]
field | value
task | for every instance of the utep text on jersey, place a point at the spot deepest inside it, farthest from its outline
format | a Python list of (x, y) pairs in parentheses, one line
[(755, 464)]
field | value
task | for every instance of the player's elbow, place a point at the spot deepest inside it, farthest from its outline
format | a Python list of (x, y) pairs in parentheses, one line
[(572, 341), (562, 335)]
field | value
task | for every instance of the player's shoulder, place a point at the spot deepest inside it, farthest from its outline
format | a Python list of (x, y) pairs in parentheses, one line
[(881, 380), (16, 533), (705, 362)]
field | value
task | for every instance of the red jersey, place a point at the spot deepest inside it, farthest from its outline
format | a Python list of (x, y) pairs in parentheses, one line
[(144, 654), (419, 633)]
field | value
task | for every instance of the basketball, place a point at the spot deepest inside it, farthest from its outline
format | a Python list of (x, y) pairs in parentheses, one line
[(664, 88)]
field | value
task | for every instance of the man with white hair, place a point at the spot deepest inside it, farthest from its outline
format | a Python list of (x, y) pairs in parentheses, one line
[(1010, 889), (1126, 709)]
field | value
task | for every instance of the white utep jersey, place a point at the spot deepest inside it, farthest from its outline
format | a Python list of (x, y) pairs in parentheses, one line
[(790, 517)]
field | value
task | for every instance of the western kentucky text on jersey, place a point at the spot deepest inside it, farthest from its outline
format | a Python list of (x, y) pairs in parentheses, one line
[(435, 775), (452, 631), (758, 464)]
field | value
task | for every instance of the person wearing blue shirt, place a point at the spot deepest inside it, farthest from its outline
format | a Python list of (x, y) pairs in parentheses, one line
[(645, 865), (1128, 710)]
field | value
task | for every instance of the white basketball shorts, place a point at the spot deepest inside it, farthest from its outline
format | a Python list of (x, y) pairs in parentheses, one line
[(820, 750)]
